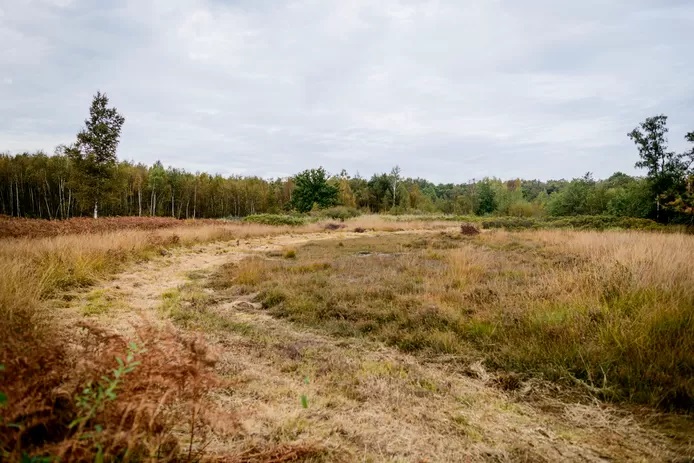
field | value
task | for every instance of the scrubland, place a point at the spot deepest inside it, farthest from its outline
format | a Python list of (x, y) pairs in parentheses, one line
[(613, 312), (365, 339)]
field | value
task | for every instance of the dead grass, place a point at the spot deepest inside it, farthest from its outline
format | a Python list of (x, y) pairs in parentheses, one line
[(36, 364), (609, 312)]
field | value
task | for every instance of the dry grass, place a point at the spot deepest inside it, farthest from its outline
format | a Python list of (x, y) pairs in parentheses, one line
[(36, 268), (610, 312), (367, 402), (36, 365)]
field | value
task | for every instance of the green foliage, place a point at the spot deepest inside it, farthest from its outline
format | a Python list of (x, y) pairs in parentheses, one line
[(275, 219), (486, 198), (26, 458), (3, 396), (603, 222), (667, 171), (574, 199), (311, 188), (341, 213), (94, 154), (580, 222), (71, 182), (631, 198), (95, 396), (511, 223), (523, 208)]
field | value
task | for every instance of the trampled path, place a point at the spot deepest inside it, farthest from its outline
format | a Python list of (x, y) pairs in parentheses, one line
[(366, 401)]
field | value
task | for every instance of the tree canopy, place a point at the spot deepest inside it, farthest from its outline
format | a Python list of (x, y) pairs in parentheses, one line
[(94, 153), (311, 187)]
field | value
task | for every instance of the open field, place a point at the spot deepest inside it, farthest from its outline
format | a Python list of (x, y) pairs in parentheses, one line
[(611, 311), (404, 341)]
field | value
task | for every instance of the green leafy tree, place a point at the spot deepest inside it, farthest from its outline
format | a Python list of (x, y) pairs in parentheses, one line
[(574, 198), (683, 202), (312, 187), (94, 154), (379, 187), (666, 169), (631, 198), (486, 198), (395, 179)]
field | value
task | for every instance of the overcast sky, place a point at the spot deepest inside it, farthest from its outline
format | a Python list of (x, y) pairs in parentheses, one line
[(448, 89)]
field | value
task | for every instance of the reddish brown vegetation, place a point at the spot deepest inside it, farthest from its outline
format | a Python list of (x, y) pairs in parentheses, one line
[(469, 229), (157, 406), (12, 227)]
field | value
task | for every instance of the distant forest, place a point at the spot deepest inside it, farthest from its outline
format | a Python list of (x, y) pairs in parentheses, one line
[(72, 181)]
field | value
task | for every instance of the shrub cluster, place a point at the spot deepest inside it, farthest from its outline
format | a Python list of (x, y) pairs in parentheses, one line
[(276, 219), (339, 213), (580, 222)]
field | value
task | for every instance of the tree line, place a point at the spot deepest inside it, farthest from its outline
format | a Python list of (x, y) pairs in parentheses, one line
[(86, 178)]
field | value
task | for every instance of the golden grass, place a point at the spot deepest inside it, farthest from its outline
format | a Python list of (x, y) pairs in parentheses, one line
[(612, 311)]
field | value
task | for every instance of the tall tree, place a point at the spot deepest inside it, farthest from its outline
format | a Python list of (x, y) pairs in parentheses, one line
[(665, 168), (683, 202), (394, 178), (486, 197), (94, 153), (311, 188)]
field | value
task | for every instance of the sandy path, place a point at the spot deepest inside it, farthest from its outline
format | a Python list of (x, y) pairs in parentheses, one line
[(367, 402)]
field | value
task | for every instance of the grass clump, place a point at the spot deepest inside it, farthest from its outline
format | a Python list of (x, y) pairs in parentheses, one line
[(97, 303), (290, 253)]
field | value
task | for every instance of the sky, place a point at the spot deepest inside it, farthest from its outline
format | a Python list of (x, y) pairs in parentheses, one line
[(449, 90)]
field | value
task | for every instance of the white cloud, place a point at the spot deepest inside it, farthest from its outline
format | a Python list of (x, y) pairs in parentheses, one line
[(445, 88)]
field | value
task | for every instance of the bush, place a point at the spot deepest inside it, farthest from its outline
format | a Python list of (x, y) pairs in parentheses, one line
[(602, 222), (524, 209), (578, 222), (275, 219), (469, 229), (510, 223), (339, 213)]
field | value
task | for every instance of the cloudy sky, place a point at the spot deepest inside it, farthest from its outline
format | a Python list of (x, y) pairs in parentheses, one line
[(448, 89)]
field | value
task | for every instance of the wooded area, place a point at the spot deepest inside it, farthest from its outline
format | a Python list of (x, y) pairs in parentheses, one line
[(79, 179), (37, 185)]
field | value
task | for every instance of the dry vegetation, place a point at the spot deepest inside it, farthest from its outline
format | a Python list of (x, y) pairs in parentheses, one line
[(479, 322), (610, 312), (14, 227), (42, 375)]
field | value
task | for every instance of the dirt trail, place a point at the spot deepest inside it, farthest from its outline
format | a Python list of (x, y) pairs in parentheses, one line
[(366, 402)]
